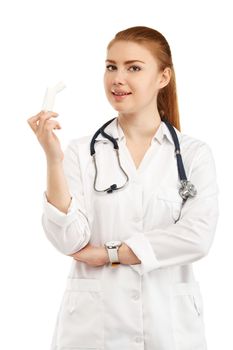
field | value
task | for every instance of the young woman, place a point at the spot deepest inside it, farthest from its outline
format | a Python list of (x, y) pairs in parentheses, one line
[(134, 205)]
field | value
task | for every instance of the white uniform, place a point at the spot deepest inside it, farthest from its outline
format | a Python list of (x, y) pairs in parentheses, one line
[(155, 305)]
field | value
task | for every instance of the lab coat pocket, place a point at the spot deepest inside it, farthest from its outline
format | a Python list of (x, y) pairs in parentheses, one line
[(187, 316), (170, 202), (80, 323)]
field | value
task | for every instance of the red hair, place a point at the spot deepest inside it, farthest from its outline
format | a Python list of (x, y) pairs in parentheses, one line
[(158, 46)]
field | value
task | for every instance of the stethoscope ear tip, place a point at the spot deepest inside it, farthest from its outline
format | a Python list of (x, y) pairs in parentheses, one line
[(112, 188)]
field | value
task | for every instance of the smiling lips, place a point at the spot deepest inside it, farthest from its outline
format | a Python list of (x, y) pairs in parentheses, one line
[(120, 94)]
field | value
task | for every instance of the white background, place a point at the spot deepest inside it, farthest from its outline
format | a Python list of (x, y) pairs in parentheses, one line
[(43, 42)]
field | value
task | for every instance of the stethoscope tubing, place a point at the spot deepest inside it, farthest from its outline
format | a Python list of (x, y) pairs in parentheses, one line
[(186, 190)]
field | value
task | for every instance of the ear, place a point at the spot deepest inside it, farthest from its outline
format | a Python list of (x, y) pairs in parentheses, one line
[(165, 77)]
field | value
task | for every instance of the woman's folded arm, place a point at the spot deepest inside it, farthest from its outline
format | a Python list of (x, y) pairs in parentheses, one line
[(190, 238)]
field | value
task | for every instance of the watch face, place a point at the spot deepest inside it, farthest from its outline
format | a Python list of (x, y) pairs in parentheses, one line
[(113, 244)]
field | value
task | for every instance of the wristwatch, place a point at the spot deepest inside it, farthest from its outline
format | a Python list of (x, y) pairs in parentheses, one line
[(112, 249)]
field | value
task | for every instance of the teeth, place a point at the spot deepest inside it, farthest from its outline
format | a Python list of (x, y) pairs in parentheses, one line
[(120, 93)]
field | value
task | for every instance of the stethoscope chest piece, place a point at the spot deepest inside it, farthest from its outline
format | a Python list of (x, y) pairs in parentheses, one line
[(187, 189)]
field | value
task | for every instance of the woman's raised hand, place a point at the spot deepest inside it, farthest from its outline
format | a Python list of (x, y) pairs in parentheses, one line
[(43, 126)]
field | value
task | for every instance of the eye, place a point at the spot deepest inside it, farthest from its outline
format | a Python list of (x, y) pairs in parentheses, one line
[(108, 66), (137, 68)]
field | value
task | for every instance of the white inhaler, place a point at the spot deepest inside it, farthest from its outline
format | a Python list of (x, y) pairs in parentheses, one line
[(50, 94)]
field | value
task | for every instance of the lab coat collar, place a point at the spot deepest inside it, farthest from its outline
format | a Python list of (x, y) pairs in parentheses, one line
[(115, 130)]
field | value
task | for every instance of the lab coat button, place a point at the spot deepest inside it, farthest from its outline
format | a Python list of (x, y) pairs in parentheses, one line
[(135, 296), (138, 339)]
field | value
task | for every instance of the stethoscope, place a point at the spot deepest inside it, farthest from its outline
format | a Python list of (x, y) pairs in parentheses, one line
[(186, 190)]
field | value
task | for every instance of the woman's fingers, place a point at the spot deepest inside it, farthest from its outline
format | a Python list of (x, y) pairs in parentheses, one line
[(43, 120), (38, 121), (32, 121), (42, 124)]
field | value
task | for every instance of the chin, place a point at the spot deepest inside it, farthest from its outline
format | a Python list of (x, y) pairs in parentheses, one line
[(121, 108)]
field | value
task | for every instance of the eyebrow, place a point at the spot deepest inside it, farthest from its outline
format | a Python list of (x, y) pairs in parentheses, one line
[(126, 62)]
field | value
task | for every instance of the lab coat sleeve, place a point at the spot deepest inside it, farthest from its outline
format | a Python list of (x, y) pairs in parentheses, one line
[(190, 238), (68, 232)]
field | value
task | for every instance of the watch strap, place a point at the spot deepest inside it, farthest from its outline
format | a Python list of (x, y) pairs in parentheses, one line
[(115, 264)]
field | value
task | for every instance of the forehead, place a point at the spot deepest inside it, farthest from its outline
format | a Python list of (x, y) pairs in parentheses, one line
[(122, 51)]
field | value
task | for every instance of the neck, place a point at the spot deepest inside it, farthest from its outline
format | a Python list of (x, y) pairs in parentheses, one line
[(139, 126)]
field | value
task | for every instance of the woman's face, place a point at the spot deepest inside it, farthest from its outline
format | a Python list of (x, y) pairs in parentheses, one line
[(140, 79)]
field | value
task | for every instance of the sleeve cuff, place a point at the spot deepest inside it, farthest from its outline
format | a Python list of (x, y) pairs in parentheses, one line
[(57, 216), (142, 248)]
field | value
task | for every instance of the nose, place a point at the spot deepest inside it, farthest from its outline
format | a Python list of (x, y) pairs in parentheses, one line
[(119, 76)]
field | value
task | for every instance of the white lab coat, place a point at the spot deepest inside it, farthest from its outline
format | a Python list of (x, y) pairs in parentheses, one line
[(155, 305)]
